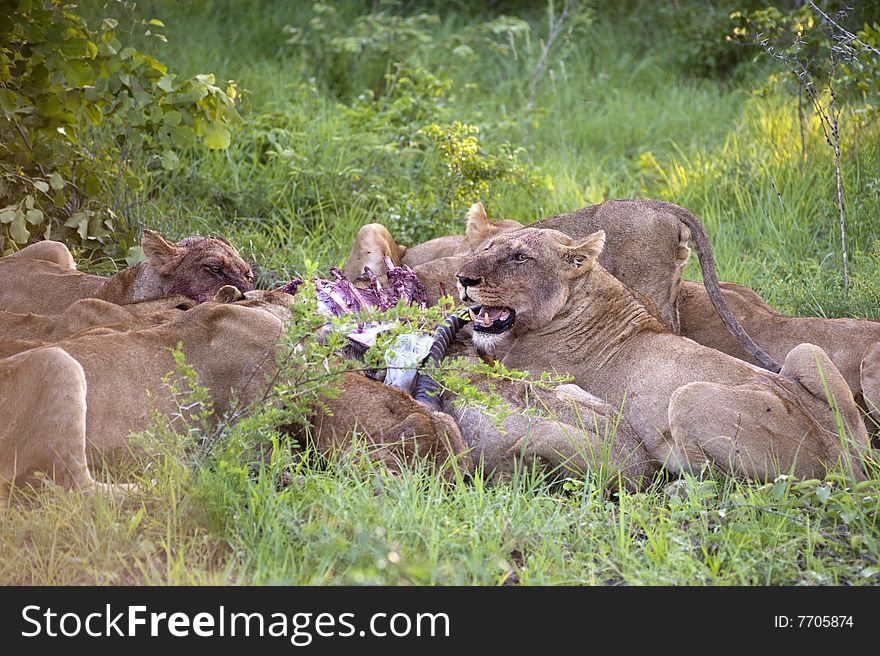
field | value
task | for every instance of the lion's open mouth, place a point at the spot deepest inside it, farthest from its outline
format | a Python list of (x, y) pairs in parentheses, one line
[(493, 321)]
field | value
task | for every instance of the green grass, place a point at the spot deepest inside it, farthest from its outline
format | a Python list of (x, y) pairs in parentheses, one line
[(350, 524), (617, 117)]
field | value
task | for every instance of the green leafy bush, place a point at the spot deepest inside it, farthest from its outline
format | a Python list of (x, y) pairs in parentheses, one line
[(83, 119)]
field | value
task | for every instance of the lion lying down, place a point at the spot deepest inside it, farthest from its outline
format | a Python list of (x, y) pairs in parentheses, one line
[(43, 423), (42, 278), (852, 344), (91, 314), (547, 305), (232, 347)]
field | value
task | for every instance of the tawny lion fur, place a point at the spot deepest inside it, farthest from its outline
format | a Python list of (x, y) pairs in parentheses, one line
[(42, 278), (852, 344), (232, 347), (689, 404)]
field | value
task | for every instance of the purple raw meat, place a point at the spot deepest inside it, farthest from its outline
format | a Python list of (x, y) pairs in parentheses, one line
[(340, 297)]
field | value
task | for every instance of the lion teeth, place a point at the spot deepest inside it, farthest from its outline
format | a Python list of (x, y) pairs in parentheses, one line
[(472, 315), (486, 320)]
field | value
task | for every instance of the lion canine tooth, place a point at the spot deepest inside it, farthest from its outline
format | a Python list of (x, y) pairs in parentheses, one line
[(486, 320), (472, 315)]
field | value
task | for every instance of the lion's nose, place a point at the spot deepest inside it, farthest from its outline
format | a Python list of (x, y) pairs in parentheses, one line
[(468, 282)]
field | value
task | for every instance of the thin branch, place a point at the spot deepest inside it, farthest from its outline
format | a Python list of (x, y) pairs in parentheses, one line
[(27, 143), (835, 134), (848, 35), (800, 117), (541, 66), (828, 120)]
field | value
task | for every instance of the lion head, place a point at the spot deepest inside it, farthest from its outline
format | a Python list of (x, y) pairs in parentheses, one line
[(523, 280), (197, 267)]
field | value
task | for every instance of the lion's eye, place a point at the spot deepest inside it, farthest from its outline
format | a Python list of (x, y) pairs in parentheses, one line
[(521, 257), (213, 268)]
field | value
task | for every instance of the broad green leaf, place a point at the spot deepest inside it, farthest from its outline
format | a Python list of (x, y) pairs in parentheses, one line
[(170, 160), (778, 490), (156, 21), (183, 136), (111, 66), (155, 65), (8, 101), (7, 215), (80, 221), (135, 254), (823, 493), (50, 106), (166, 83), (216, 136), (78, 73), (191, 97), (42, 186), (34, 217), (109, 24), (76, 219), (171, 118), (18, 230)]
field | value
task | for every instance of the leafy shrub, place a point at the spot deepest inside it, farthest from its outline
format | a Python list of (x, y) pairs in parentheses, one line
[(83, 119), (801, 35)]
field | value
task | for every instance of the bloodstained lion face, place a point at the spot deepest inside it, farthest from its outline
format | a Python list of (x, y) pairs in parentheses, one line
[(197, 267)]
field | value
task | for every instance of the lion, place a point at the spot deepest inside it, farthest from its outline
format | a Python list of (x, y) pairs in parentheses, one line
[(42, 279), (852, 344), (647, 248), (90, 313), (374, 242), (43, 421), (232, 348), (548, 305)]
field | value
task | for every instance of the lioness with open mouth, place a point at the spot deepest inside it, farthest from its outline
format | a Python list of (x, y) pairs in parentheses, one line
[(547, 305)]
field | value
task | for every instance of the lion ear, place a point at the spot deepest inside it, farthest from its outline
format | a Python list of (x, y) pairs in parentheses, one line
[(158, 250), (479, 228), (581, 257), (228, 294)]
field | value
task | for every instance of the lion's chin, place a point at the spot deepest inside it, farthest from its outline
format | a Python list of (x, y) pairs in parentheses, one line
[(488, 343)]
